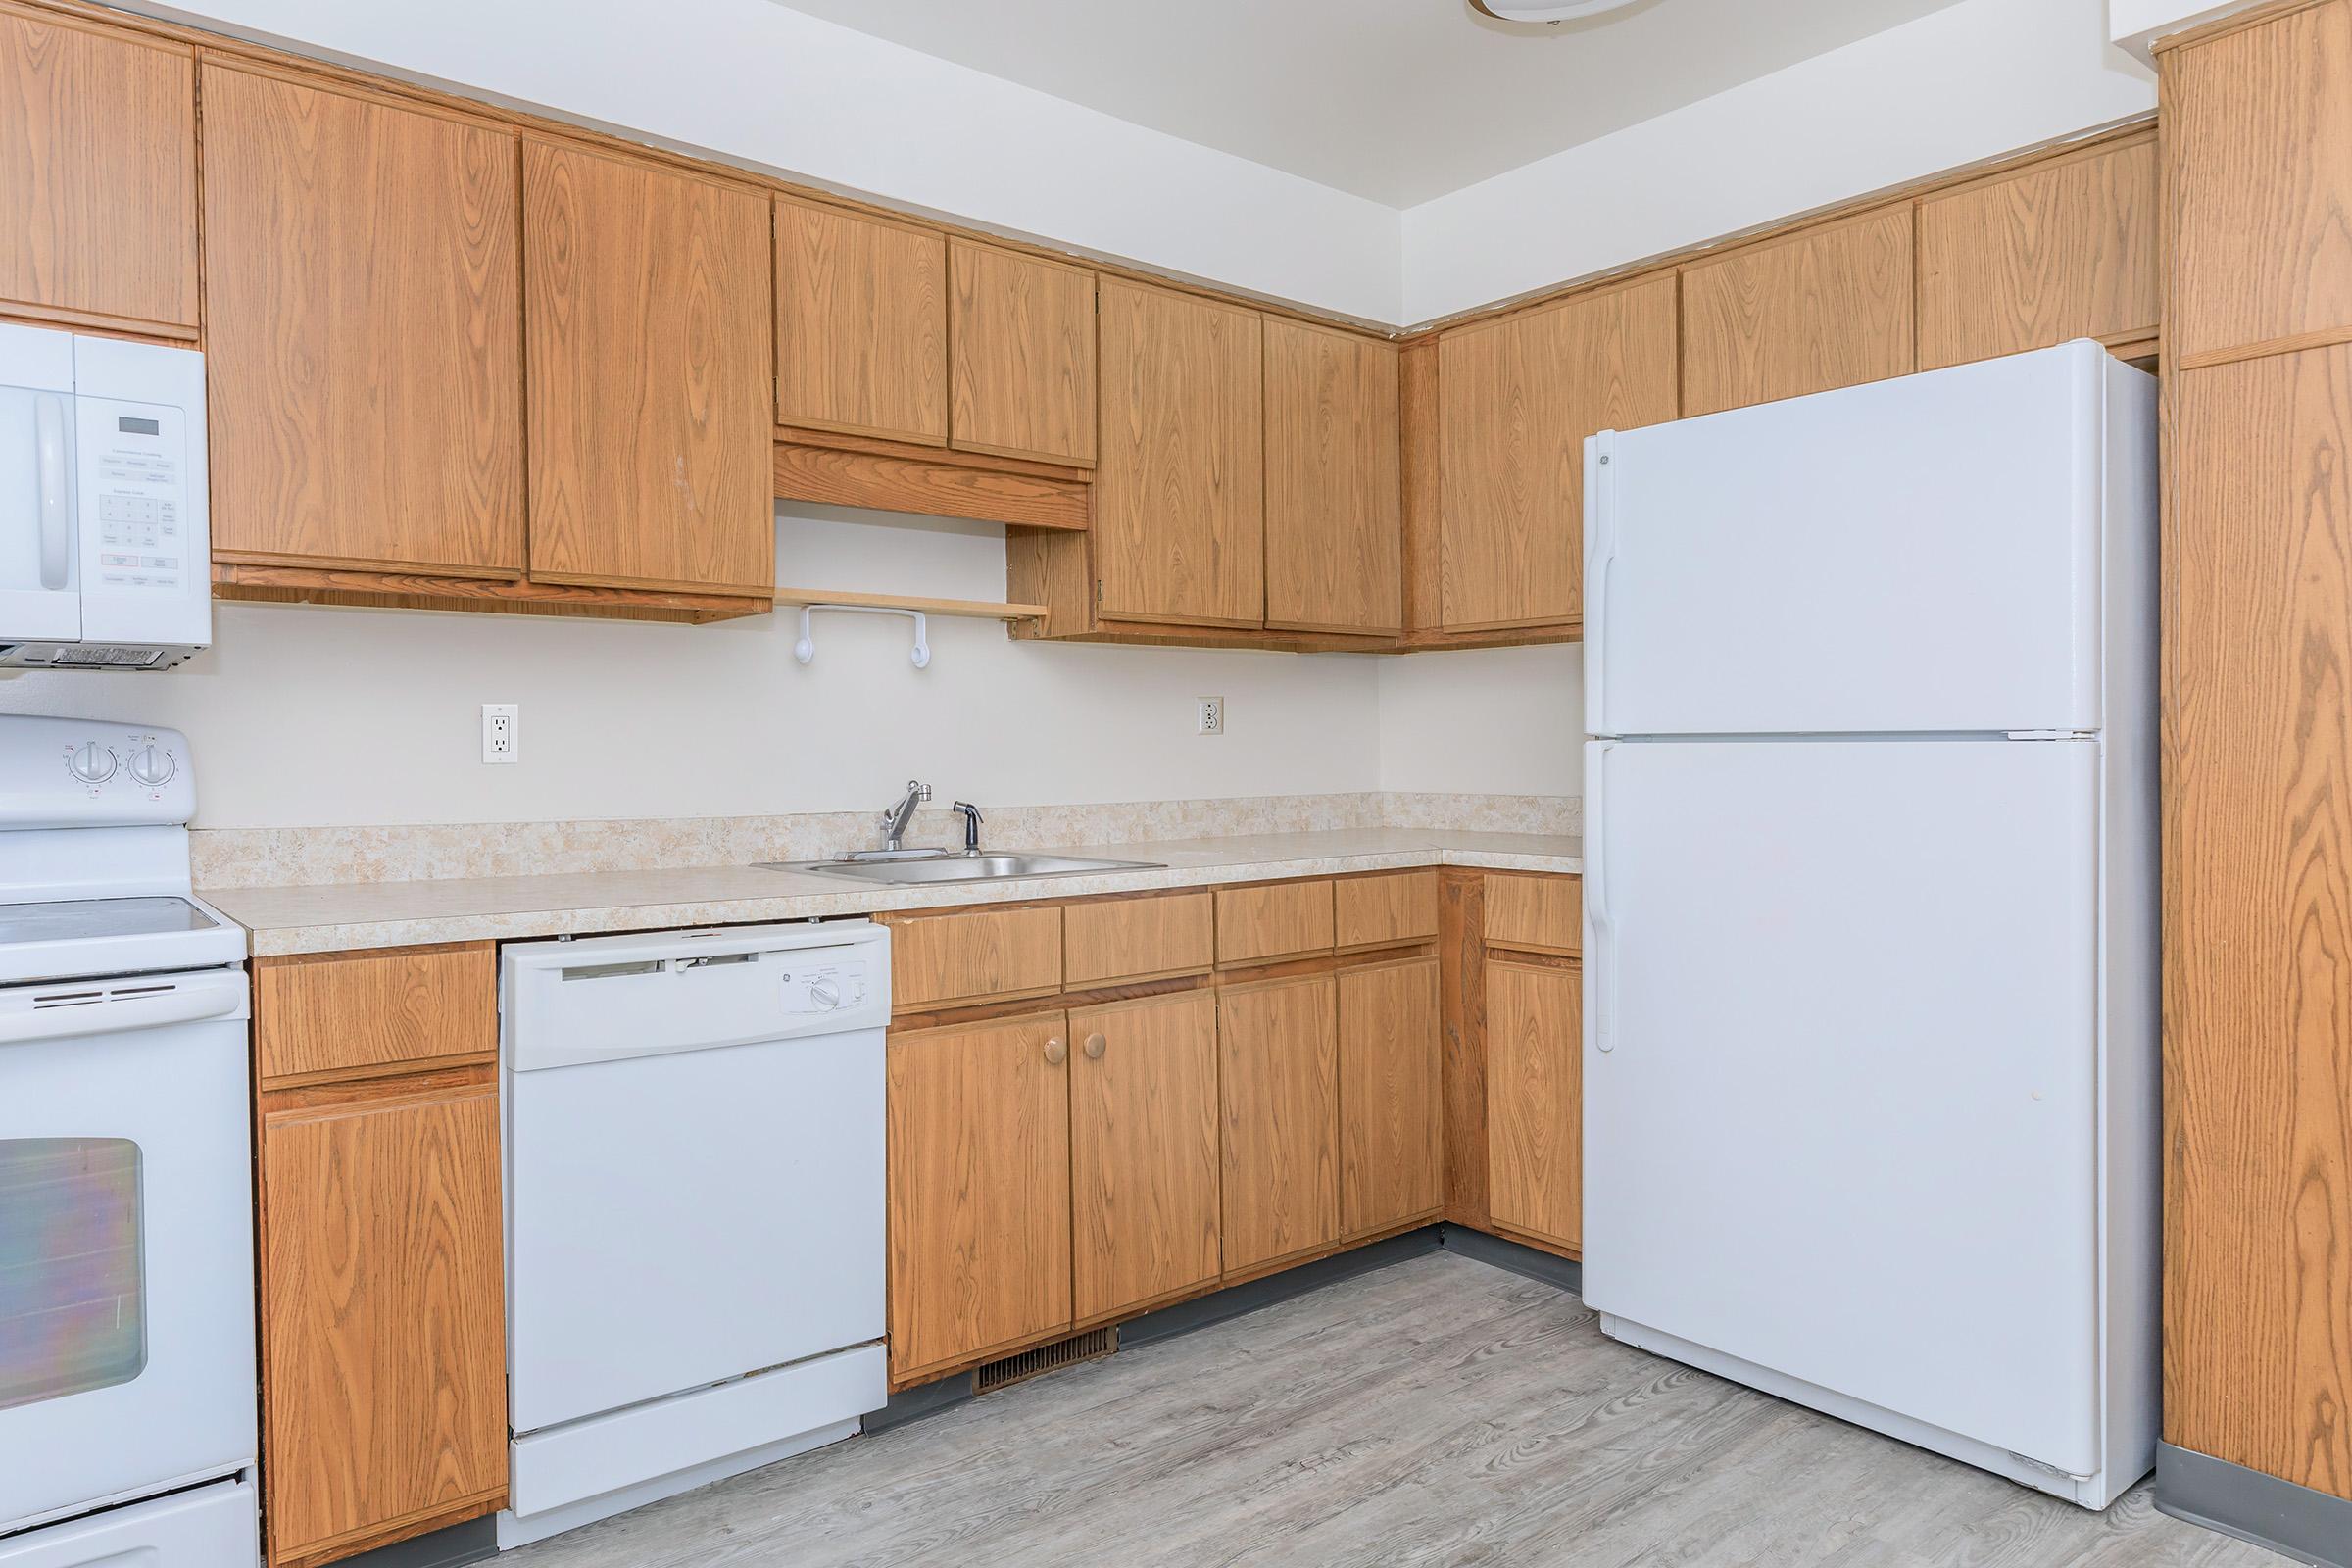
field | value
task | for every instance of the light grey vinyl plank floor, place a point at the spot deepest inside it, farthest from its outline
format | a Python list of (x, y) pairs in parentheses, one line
[(1439, 1411)]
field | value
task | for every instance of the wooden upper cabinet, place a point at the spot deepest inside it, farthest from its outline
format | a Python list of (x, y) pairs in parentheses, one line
[(2065, 249), (979, 1141), (1516, 398), (1022, 373), (1824, 308), (645, 291), (1279, 1082), (1335, 549), (1179, 490), (861, 324), (1142, 1150), (97, 173), (2258, 148), (363, 324)]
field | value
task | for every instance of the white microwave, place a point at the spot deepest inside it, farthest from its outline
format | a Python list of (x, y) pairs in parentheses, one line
[(105, 545)]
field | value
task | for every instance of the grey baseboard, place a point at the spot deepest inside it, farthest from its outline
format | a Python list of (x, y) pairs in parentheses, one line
[(474, 1541), (1534, 1262), (2314, 1527)]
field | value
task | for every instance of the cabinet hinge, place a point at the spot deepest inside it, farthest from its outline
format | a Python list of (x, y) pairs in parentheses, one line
[(1097, 593)]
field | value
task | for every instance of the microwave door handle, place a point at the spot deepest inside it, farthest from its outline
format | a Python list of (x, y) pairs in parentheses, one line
[(56, 524)]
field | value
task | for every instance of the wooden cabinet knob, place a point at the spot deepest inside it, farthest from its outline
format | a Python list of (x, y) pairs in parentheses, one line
[(1096, 1045), (1055, 1052)]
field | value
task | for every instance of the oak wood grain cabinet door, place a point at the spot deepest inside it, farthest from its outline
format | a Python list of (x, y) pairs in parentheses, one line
[(1335, 543), (2063, 250), (2258, 165), (1827, 307), (1022, 378), (97, 173), (979, 1190), (861, 324), (363, 324), (646, 298), (1516, 398), (1278, 1080), (1179, 487), (383, 1324), (1391, 1160), (1144, 1185), (1535, 1099)]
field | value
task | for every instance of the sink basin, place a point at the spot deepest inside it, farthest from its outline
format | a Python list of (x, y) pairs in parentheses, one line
[(951, 867)]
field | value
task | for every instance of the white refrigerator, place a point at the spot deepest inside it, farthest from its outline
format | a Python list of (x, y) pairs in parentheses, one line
[(1869, 1054)]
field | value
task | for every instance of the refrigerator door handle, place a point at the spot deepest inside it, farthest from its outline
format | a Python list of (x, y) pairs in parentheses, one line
[(1602, 943)]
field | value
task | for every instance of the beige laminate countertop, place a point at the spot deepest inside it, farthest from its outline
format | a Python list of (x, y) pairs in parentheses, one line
[(343, 916)]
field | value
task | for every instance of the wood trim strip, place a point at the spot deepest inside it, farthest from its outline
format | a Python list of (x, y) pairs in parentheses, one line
[(935, 486), (2300, 342)]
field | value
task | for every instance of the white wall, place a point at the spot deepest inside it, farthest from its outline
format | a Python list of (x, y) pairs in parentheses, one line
[(2137, 24), (781, 90), (1979, 79), (317, 717), (1483, 721)]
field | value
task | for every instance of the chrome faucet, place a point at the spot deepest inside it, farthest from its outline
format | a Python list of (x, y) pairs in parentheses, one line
[(895, 819), (971, 825)]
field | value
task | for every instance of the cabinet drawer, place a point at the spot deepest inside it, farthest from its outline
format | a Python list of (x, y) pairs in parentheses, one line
[(1137, 939), (1283, 920), (1372, 911), (365, 1013), (980, 956), (1540, 914)]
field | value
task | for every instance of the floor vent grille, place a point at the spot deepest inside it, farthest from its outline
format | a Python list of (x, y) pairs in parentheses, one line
[(1090, 1345)]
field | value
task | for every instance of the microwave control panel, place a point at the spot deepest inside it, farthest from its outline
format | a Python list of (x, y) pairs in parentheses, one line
[(134, 496)]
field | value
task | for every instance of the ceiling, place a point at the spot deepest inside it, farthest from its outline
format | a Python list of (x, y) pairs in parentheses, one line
[(1395, 100)]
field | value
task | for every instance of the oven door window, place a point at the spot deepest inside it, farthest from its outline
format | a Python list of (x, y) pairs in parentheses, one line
[(73, 1267)]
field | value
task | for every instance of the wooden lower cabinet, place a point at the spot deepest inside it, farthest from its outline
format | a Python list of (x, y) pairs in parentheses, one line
[(1391, 1160), (1143, 1186), (979, 1208), (383, 1322), (1534, 1098), (1279, 1082)]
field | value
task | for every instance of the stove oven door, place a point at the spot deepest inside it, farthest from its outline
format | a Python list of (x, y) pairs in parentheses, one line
[(126, 1273)]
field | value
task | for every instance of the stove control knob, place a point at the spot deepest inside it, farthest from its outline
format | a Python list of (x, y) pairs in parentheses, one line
[(93, 763), (824, 993), (153, 766)]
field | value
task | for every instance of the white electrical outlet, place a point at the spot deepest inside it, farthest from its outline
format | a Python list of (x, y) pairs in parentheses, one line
[(501, 732), (1212, 715)]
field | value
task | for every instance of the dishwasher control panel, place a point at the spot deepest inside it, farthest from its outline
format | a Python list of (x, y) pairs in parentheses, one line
[(823, 982)]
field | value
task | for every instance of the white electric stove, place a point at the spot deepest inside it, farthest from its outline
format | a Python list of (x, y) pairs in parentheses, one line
[(126, 1343)]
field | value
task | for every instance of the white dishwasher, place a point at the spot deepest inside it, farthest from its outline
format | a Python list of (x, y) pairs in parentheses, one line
[(694, 1195)]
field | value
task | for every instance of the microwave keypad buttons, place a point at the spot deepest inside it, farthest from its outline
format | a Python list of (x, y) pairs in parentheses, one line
[(139, 541)]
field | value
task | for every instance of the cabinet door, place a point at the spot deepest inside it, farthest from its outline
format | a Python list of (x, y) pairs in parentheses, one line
[(1392, 1162), (979, 1190), (383, 1322), (1827, 308), (646, 294), (1278, 1077), (1535, 1099), (1516, 398), (1179, 495), (1335, 543), (1021, 383), (861, 324), (2258, 163), (2065, 249), (1142, 1150), (97, 171), (364, 324)]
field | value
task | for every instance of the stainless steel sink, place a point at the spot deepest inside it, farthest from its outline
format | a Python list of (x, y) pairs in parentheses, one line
[(913, 870)]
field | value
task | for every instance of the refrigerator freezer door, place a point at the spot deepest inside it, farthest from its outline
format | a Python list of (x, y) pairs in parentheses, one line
[(1917, 555), (1841, 1121)]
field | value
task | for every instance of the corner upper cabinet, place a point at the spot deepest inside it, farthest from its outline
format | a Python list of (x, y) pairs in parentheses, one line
[(646, 294), (1180, 485), (1021, 376), (1516, 398), (1828, 306), (861, 324), (97, 174), (1334, 536), (363, 324), (2065, 249)]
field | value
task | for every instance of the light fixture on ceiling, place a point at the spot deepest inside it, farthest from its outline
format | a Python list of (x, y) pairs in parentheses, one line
[(1551, 11)]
